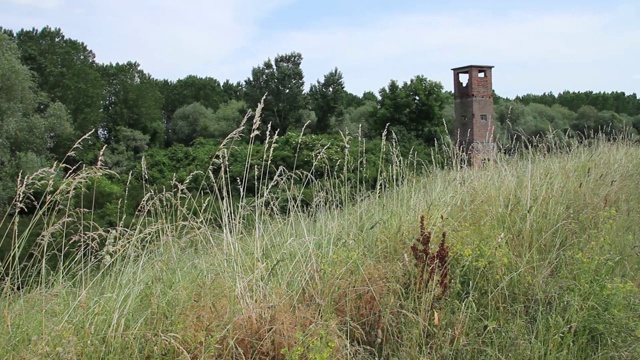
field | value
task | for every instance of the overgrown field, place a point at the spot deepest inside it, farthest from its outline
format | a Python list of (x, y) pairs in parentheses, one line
[(534, 256)]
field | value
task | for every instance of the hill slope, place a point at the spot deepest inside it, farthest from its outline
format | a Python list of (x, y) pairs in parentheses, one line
[(540, 260)]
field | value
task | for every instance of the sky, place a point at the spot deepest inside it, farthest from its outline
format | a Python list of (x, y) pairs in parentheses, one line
[(535, 46)]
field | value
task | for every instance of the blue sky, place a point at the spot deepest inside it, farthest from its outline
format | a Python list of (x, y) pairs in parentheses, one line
[(535, 46)]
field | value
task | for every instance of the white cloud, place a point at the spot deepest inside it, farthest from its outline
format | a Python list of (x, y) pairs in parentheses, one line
[(542, 45), (169, 38), (533, 51), (176, 38)]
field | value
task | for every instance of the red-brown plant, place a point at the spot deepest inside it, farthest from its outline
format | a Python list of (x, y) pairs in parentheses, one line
[(431, 265)]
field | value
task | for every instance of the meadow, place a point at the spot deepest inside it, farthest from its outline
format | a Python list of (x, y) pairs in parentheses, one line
[(536, 255)]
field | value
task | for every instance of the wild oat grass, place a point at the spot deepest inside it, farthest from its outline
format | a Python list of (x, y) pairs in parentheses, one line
[(542, 262)]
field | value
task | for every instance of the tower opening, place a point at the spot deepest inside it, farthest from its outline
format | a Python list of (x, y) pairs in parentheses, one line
[(463, 78)]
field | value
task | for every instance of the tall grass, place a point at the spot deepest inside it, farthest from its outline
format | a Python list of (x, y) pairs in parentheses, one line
[(542, 262)]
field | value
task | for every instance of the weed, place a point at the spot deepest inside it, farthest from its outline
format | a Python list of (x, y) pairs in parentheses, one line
[(432, 267)]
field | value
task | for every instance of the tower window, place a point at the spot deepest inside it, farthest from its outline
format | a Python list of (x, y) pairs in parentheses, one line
[(484, 117), (482, 73), (463, 78)]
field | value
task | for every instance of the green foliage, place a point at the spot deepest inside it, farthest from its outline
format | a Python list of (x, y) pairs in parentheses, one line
[(225, 120), (357, 120), (449, 118), (635, 121), (30, 134), (312, 347), (518, 121), (190, 122), (17, 89), (67, 72), (124, 155), (542, 267), (233, 91), (194, 89), (196, 121), (369, 96), (589, 121), (415, 107), (615, 101), (282, 81), (327, 101), (132, 100), (562, 117)]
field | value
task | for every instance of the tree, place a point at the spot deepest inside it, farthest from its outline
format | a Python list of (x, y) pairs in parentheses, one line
[(548, 99), (355, 101), (23, 128), (282, 80), (537, 121), (327, 101), (17, 89), (189, 122), (43, 135), (226, 119), (635, 122), (586, 121), (515, 120), (124, 155), (369, 96), (29, 136), (57, 129), (589, 121), (66, 70), (233, 91), (563, 117), (415, 107), (357, 119), (611, 123), (132, 100), (204, 90), (196, 121)]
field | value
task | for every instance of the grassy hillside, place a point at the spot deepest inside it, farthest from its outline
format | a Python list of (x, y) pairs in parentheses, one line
[(535, 256)]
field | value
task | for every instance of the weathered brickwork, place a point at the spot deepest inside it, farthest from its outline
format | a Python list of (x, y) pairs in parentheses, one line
[(473, 94)]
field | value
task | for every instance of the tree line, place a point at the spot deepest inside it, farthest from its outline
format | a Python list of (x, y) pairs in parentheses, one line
[(53, 92)]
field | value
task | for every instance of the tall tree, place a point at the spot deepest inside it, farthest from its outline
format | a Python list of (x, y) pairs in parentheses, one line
[(327, 101), (132, 99), (233, 91), (204, 90), (29, 136), (66, 70), (415, 107), (282, 80), (17, 89), (369, 96)]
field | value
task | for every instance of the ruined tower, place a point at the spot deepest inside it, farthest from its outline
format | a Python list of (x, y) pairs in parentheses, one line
[(473, 97)]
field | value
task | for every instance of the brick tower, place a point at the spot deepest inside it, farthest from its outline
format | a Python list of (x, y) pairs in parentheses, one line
[(473, 96)]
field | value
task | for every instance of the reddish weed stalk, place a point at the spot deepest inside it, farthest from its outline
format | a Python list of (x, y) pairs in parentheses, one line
[(431, 266)]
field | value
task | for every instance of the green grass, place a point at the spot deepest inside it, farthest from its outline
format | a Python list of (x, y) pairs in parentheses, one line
[(544, 263)]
